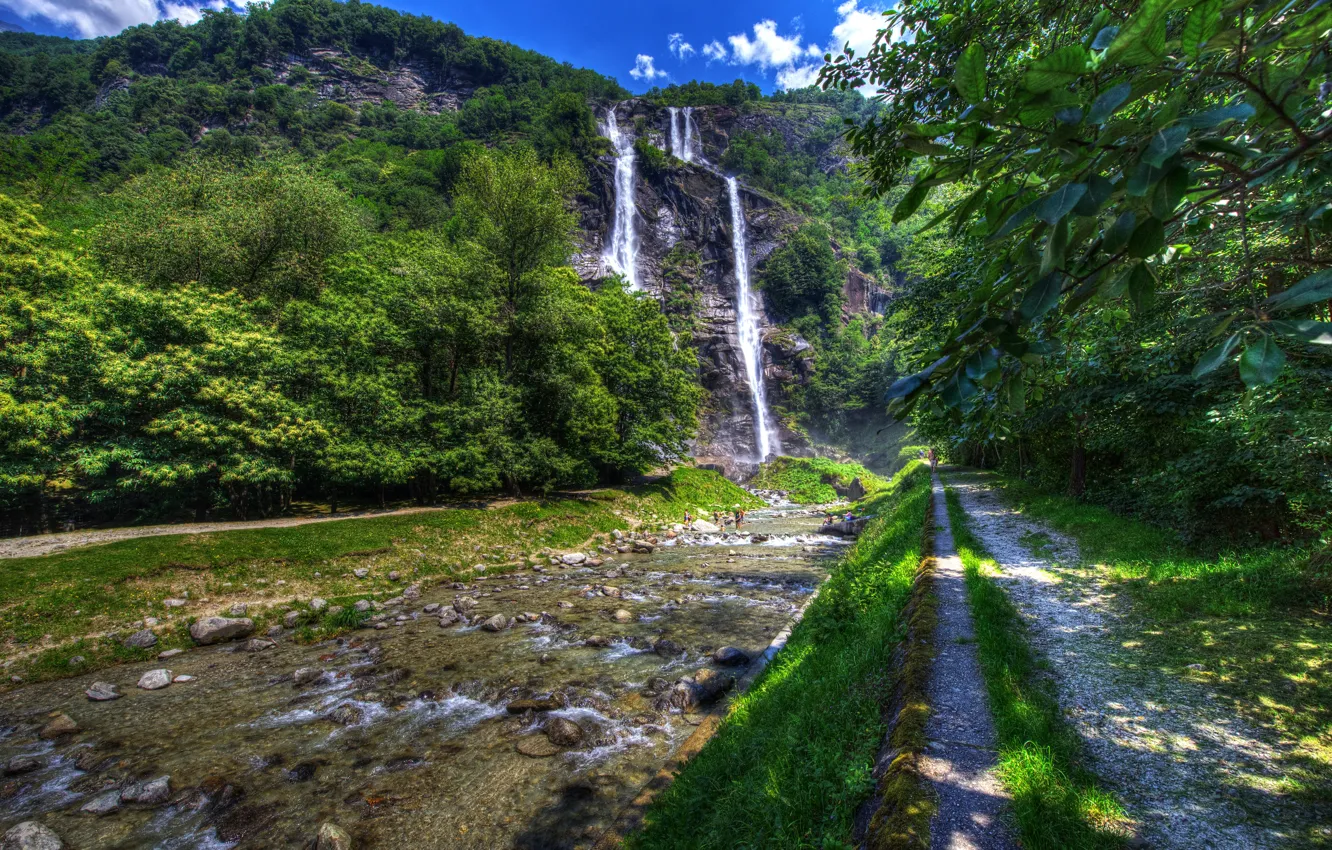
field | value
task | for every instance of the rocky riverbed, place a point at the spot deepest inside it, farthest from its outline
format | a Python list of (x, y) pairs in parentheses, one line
[(521, 710)]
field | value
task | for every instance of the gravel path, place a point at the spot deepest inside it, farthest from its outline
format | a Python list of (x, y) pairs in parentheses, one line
[(46, 544), (959, 755), (1190, 772)]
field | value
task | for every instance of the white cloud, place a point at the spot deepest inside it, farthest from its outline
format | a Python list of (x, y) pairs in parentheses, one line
[(858, 28), (679, 47), (789, 57), (645, 70), (767, 49), (800, 77), (91, 18), (714, 51)]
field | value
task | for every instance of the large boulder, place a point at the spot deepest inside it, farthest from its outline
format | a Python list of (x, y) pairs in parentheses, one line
[(153, 792), (31, 835), (705, 527), (102, 692), (497, 623), (210, 630), (573, 559), (155, 680), (856, 491), (730, 656), (563, 732)]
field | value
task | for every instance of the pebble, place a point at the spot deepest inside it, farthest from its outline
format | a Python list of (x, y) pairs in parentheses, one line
[(306, 675), (622, 616), (175, 603), (103, 692), (497, 623), (563, 732), (291, 619), (102, 804), (142, 639), (155, 680), (168, 653), (332, 837), (21, 764), (238, 610), (318, 604), (182, 678), (362, 572), (154, 792), (362, 605)]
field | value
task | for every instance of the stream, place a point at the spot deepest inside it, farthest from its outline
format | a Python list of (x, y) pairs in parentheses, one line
[(404, 736)]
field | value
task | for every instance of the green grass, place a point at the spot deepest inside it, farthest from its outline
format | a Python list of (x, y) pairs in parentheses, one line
[(793, 758), (1056, 801), (55, 600), (810, 480)]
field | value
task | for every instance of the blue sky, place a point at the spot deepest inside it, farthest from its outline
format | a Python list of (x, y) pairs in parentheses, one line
[(776, 43)]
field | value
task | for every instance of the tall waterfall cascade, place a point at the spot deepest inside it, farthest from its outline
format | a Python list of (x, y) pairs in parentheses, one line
[(621, 251), (767, 441), (684, 134), (676, 137)]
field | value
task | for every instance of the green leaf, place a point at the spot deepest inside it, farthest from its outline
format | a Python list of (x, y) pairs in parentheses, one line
[(1107, 102), (904, 387), (1118, 234), (1104, 38), (1213, 117), (1142, 39), (1147, 240), (1016, 220), (1142, 288), (1213, 358), (1017, 393), (1164, 143), (982, 363), (1261, 362), (911, 201), (1060, 202), (1057, 69), (1222, 146), (1201, 24), (1099, 190), (1144, 177), (1314, 288), (969, 78), (1306, 330), (1169, 192), (973, 202), (1042, 297), (1052, 259)]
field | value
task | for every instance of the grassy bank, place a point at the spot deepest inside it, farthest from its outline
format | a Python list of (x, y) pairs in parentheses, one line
[(51, 606), (1251, 625), (793, 759), (1056, 802), (813, 480)]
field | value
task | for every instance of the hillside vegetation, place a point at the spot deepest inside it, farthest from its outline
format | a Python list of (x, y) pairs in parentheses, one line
[(813, 480)]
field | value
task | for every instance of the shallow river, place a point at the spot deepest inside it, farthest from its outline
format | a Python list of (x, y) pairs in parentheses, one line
[(403, 738)]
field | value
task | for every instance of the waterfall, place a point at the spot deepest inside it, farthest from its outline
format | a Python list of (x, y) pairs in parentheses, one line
[(747, 329), (621, 252), (675, 134), (690, 135)]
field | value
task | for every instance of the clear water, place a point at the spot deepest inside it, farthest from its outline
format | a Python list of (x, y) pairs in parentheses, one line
[(429, 758)]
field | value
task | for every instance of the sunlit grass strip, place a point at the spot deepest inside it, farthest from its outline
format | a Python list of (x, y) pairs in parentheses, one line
[(1056, 801), (794, 759)]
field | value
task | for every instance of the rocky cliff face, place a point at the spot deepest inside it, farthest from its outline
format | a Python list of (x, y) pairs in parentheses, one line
[(685, 258)]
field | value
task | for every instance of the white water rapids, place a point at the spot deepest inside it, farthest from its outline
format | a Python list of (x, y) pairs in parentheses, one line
[(621, 252), (747, 329)]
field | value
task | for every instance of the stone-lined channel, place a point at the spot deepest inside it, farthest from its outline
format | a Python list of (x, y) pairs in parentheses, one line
[(403, 735)]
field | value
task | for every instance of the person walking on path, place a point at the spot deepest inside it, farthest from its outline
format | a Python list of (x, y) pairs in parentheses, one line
[(934, 460)]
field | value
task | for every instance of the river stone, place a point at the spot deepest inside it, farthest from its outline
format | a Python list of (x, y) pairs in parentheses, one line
[(335, 610), (142, 639), (332, 837), (238, 610), (258, 644), (155, 680), (21, 764), (704, 527), (448, 617), (411, 591), (667, 648), (58, 726), (519, 706), (102, 804), (175, 603), (345, 715), (537, 747), (154, 792), (291, 619), (31, 835), (361, 572), (622, 616), (306, 675), (497, 623), (617, 534), (464, 604), (362, 605), (597, 641), (168, 653), (566, 604), (102, 692), (430, 608), (563, 732), (394, 575), (212, 630), (318, 604), (712, 684), (730, 656)]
